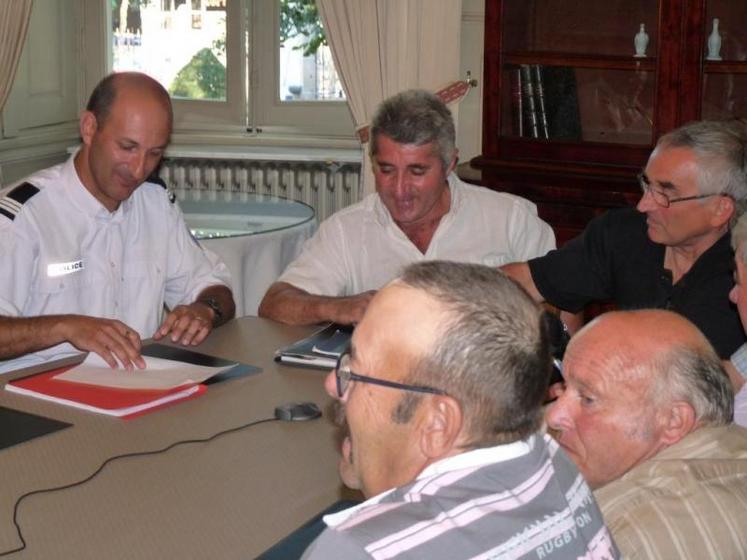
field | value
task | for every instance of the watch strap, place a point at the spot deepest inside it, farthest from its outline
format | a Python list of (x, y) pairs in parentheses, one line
[(212, 303)]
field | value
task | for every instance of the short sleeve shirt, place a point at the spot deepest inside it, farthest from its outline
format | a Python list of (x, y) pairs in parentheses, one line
[(614, 260), (64, 253), (361, 248)]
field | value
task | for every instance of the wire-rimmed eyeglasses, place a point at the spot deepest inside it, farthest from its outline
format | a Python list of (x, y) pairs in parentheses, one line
[(661, 198), (344, 375)]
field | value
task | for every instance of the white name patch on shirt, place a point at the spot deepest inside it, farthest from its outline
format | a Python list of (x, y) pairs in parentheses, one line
[(60, 269)]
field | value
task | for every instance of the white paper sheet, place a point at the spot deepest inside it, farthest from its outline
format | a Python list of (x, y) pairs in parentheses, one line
[(158, 374)]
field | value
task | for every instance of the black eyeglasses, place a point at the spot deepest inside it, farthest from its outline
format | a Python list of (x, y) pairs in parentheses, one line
[(661, 198), (344, 375)]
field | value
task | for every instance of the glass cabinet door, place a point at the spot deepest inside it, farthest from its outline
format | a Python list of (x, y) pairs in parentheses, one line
[(724, 93), (579, 71)]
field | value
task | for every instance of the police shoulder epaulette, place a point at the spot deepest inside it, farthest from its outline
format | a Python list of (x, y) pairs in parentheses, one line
[(13, 201), (155, 178)]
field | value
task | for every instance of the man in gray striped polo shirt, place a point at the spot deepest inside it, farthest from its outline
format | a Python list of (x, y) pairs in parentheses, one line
[(442, 392)]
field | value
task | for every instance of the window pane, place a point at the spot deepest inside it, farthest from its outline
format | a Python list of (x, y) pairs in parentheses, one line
[(180, 43), (307, 72)]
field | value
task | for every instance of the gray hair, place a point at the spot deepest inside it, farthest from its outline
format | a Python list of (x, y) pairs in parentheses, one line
[(694, 375), (721, 151), (415, 117), (492, 353), (739, 237)]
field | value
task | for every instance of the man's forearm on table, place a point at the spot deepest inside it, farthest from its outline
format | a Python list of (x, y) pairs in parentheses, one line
[(23, 335)]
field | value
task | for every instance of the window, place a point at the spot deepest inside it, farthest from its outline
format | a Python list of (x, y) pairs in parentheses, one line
[(225, 66), (190, 42), (307, 71)]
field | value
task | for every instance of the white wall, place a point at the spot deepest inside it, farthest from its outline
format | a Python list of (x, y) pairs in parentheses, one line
[(38, 117), (469, 133)]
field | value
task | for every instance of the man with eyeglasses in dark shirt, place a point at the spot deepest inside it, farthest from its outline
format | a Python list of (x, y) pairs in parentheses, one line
[(673, 250)]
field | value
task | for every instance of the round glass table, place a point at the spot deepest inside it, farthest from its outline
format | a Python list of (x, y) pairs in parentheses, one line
[(256, 236), (246, 214)]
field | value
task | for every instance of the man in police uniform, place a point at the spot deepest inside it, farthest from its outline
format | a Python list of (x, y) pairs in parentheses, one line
[(92, 251)]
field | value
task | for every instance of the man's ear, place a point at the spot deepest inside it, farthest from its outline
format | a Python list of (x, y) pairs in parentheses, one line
[(454, 162), (440, 426), (88, 127), (724, 210), (679, 422)]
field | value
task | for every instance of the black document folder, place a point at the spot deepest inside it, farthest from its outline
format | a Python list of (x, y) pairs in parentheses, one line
[(17, 427), (320, 350), (156, 350), (293, 546)]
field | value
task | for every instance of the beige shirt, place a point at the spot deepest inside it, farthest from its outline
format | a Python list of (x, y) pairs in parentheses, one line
[(689, 501), (360, 247)]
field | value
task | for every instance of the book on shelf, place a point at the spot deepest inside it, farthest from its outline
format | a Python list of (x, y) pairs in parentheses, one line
[(517, 103), (529, 106), (319, 350), (545, 102), (539, 92), (561, 101), (93, 386)]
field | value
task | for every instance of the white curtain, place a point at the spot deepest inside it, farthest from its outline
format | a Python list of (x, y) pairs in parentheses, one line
[(14, 22), (381, 47)]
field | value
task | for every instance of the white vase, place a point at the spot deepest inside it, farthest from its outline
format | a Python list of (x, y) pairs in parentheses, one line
[(641, 42), (714, 42)]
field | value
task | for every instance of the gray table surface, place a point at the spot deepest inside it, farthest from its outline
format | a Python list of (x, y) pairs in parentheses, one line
[(230, 498)]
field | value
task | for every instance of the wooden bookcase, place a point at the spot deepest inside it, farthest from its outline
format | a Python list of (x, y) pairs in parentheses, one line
[(623, 103)]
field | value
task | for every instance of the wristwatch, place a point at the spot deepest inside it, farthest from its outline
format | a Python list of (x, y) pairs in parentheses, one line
[(212, 303)]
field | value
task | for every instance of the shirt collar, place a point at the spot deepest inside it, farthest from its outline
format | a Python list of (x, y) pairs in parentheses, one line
[(84, 200), (717, 259), (469, 459), (698, 444)]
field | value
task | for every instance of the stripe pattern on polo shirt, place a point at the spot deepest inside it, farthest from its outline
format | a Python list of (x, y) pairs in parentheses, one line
[(533, 505)]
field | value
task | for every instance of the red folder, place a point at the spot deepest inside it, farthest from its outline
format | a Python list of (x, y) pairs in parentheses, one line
[(123, 403)]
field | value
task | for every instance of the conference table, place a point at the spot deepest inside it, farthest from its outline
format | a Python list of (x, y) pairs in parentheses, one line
[(232, 497), (256, 236)]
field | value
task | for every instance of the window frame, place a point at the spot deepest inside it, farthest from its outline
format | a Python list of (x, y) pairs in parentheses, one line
[(253, 106), (267, 109)]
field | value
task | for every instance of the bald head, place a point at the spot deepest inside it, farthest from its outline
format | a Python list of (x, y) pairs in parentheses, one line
[(106, 92), (655, 328), (626, 345), (637, 382), (663, 356), (124, 133)]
